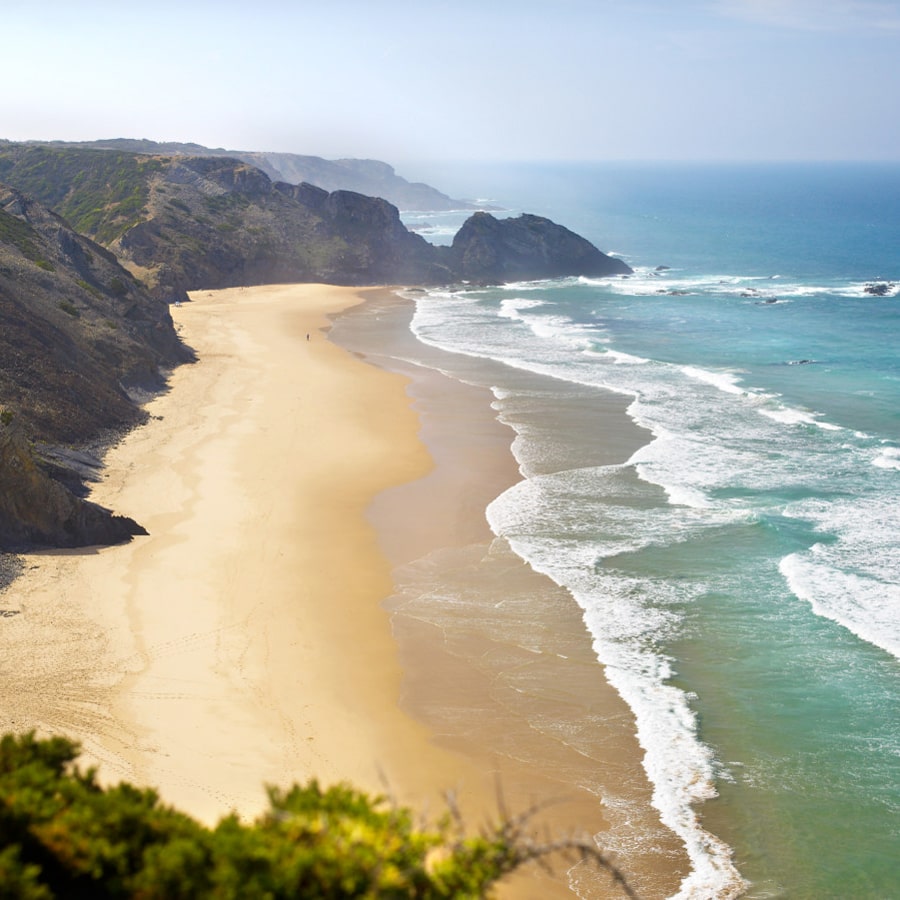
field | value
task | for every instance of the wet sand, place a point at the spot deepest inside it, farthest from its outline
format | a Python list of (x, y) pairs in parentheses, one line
[(497, 660)]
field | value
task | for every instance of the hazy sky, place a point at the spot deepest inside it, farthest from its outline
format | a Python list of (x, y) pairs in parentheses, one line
[(462, 79)]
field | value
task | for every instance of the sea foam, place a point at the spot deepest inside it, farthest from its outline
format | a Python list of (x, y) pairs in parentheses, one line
[(748, 455)]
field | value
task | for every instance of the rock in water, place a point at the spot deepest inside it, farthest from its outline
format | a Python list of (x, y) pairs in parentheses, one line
[(490, 250)]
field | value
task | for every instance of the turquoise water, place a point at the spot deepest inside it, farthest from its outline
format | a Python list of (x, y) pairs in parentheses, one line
[(740, 574)]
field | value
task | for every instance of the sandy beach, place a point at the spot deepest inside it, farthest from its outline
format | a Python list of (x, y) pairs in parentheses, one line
[(258, 636), (242, 643)]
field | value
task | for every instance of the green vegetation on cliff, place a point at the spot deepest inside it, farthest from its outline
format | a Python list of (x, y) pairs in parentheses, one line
[(365, 176), (63, 835), (23, 237), (100, 193)]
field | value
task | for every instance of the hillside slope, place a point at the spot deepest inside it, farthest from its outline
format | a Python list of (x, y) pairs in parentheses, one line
[(362, 176), (183, 223), (79, 339)]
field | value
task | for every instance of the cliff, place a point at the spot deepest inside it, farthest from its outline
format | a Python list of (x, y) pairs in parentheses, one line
[(362, 176), (186, 223), (78, 332), (79, 336), (183, 223), (37, 510)]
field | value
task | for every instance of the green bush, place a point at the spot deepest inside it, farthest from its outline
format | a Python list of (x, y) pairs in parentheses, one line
[(117, 287), (22, 236), (63, 835), (86, 286)]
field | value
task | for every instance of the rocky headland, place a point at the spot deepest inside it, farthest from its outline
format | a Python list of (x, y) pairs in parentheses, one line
[(525, 248), (182, 223)]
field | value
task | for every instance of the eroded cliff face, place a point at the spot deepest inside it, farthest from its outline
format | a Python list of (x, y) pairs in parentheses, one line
[(36, 510), (78, 337), (213, 223), (77, 331)]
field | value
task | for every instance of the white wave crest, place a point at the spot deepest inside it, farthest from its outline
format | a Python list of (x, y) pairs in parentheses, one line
[(865, 606), (626, 628), (512, 308), (789, 416), (888, 458), (724, 381)]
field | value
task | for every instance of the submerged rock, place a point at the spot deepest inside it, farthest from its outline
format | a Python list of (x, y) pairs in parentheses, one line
[(880, 288)]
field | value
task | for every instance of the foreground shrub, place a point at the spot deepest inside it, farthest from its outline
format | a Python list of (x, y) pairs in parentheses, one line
[(63, 835)]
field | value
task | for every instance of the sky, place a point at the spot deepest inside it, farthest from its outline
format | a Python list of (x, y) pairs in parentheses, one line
[(466, 80)]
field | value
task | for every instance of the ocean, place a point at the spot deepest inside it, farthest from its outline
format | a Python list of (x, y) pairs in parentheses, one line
[(740, 572)]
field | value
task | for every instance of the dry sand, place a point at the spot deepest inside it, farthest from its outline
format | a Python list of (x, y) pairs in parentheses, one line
[(244, 641)]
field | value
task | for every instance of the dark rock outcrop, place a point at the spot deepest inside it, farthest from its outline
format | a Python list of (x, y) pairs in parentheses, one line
[(381, 248), (528, 247), (79, 336), (36, 510)]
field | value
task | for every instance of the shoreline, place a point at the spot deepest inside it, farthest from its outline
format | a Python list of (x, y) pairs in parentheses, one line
[(259, 635), (497, 659)]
